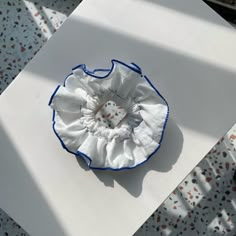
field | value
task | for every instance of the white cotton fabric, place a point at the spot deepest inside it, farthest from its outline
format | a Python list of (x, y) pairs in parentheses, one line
[(131, 142)]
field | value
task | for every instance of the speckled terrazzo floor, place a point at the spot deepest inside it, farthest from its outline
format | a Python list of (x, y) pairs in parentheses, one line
[(25, 27), (203, 204)]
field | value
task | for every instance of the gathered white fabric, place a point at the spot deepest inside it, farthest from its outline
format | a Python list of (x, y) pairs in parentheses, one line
[(85, 95)]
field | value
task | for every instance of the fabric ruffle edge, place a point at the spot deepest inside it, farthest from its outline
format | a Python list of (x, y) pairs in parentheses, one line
[(74, 106)]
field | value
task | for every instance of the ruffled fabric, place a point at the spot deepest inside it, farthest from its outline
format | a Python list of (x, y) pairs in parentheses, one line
[(125, 146)]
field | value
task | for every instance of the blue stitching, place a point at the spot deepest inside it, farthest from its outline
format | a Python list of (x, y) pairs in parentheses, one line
[(137, 67), (91, 73), (64, 83), (55, 91), (84, 156), (97, 70), (168, 109)]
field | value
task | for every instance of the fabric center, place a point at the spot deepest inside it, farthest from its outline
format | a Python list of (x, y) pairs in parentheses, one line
[(110, 115)]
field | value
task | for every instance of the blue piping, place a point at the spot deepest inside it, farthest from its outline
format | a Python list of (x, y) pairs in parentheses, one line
[(64, 83), (91, 73), (54, 93), (137, 67)]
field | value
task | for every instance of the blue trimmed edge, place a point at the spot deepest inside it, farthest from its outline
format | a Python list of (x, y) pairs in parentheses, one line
[(86, 158), (91, 73), (50, 100)]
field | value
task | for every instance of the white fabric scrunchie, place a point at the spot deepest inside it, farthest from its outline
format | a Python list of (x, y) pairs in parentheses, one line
[(113, 121)]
